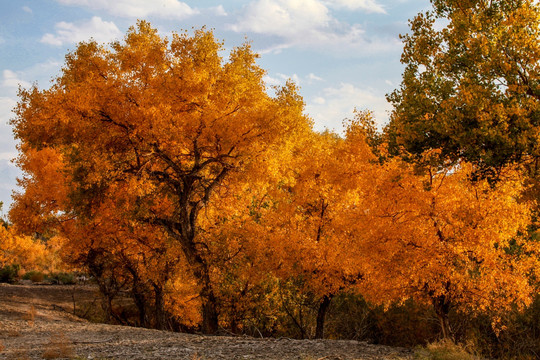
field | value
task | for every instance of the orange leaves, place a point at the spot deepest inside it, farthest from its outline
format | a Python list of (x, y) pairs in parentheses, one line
[(450, 239), (171, 171)]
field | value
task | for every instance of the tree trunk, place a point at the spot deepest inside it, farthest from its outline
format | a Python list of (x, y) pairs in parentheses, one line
[(209, 308), (138, 292), (442, 309), (321, 314), (140, 301), (159, 308)]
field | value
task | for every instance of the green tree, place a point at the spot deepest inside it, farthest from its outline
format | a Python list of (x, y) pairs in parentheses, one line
[(471, 84)]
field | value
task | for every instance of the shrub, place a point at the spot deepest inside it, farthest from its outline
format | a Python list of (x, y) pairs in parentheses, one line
[(34, 276), (444, 350), (59, 347), (9, 273), (63, 278)]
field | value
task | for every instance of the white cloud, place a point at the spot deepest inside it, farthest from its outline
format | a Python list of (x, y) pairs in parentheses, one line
[(10, 79), (284, 17), (274, 49), (96, 28), (309, 23), (27, 9), (271, 81), (6, 104), (280, 79), (314, 77), (8, 156), (334, 104), (294, 77), (319, 100), (170, 9), (219, 10), (370, 6), (8, 151)]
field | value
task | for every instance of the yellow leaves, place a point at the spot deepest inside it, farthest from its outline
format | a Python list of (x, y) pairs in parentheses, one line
[(27, 252)]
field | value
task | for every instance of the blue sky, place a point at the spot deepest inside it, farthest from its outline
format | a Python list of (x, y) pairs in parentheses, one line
[(343, 53)]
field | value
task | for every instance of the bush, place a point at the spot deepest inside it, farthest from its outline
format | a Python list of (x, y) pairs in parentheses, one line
[(350, 317), (9, 273), (63, 278), (444, 350), (34, 276)]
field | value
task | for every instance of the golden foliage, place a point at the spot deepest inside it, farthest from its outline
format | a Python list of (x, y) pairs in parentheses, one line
[(164, 169)]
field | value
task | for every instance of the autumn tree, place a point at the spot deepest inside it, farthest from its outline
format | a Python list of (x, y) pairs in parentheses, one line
[(470, 85), (166, 122), (308, 221), (445, 240), (120, 256), (23, 251)]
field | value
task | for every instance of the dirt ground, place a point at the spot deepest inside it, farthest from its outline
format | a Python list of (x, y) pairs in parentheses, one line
[(36, 323)]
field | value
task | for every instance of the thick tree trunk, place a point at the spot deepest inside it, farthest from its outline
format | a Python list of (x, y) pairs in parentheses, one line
[(321, 315), (210, 315), (209, 307)]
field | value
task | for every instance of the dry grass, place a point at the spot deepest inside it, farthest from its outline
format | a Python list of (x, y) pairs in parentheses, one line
[(19, 354), (59, 346), (30, 315), (13, 333), (445, 350)]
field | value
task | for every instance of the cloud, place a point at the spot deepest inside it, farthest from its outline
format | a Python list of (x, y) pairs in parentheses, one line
[(334, 104), (310, 24), (10, 79), (272, 81), (27, 9), (280, 79), (8, 151), (6, 104), (8, 183), (8, 156), (284, 17), (370, 6), (219, 10), (319, 100), (170, 9), (313, 77), (69, 33)]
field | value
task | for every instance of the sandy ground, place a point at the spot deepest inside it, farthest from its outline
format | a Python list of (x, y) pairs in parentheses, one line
[(36, 323)]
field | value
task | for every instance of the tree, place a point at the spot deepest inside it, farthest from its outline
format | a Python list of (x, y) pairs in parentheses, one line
[(445, 240), (308, 223), (24, 252), (164, 122), (471, 88)]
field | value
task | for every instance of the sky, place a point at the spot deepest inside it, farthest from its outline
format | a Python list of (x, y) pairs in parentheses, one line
[(344, 54)]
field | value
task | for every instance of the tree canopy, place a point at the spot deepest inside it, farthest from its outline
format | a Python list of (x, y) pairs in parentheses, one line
[(470, 85), (171, 173)]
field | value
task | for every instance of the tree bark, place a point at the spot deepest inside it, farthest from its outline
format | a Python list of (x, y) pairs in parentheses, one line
[(321, 315), (209, 305), (140, 301), (441, 305), (159, 308)]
